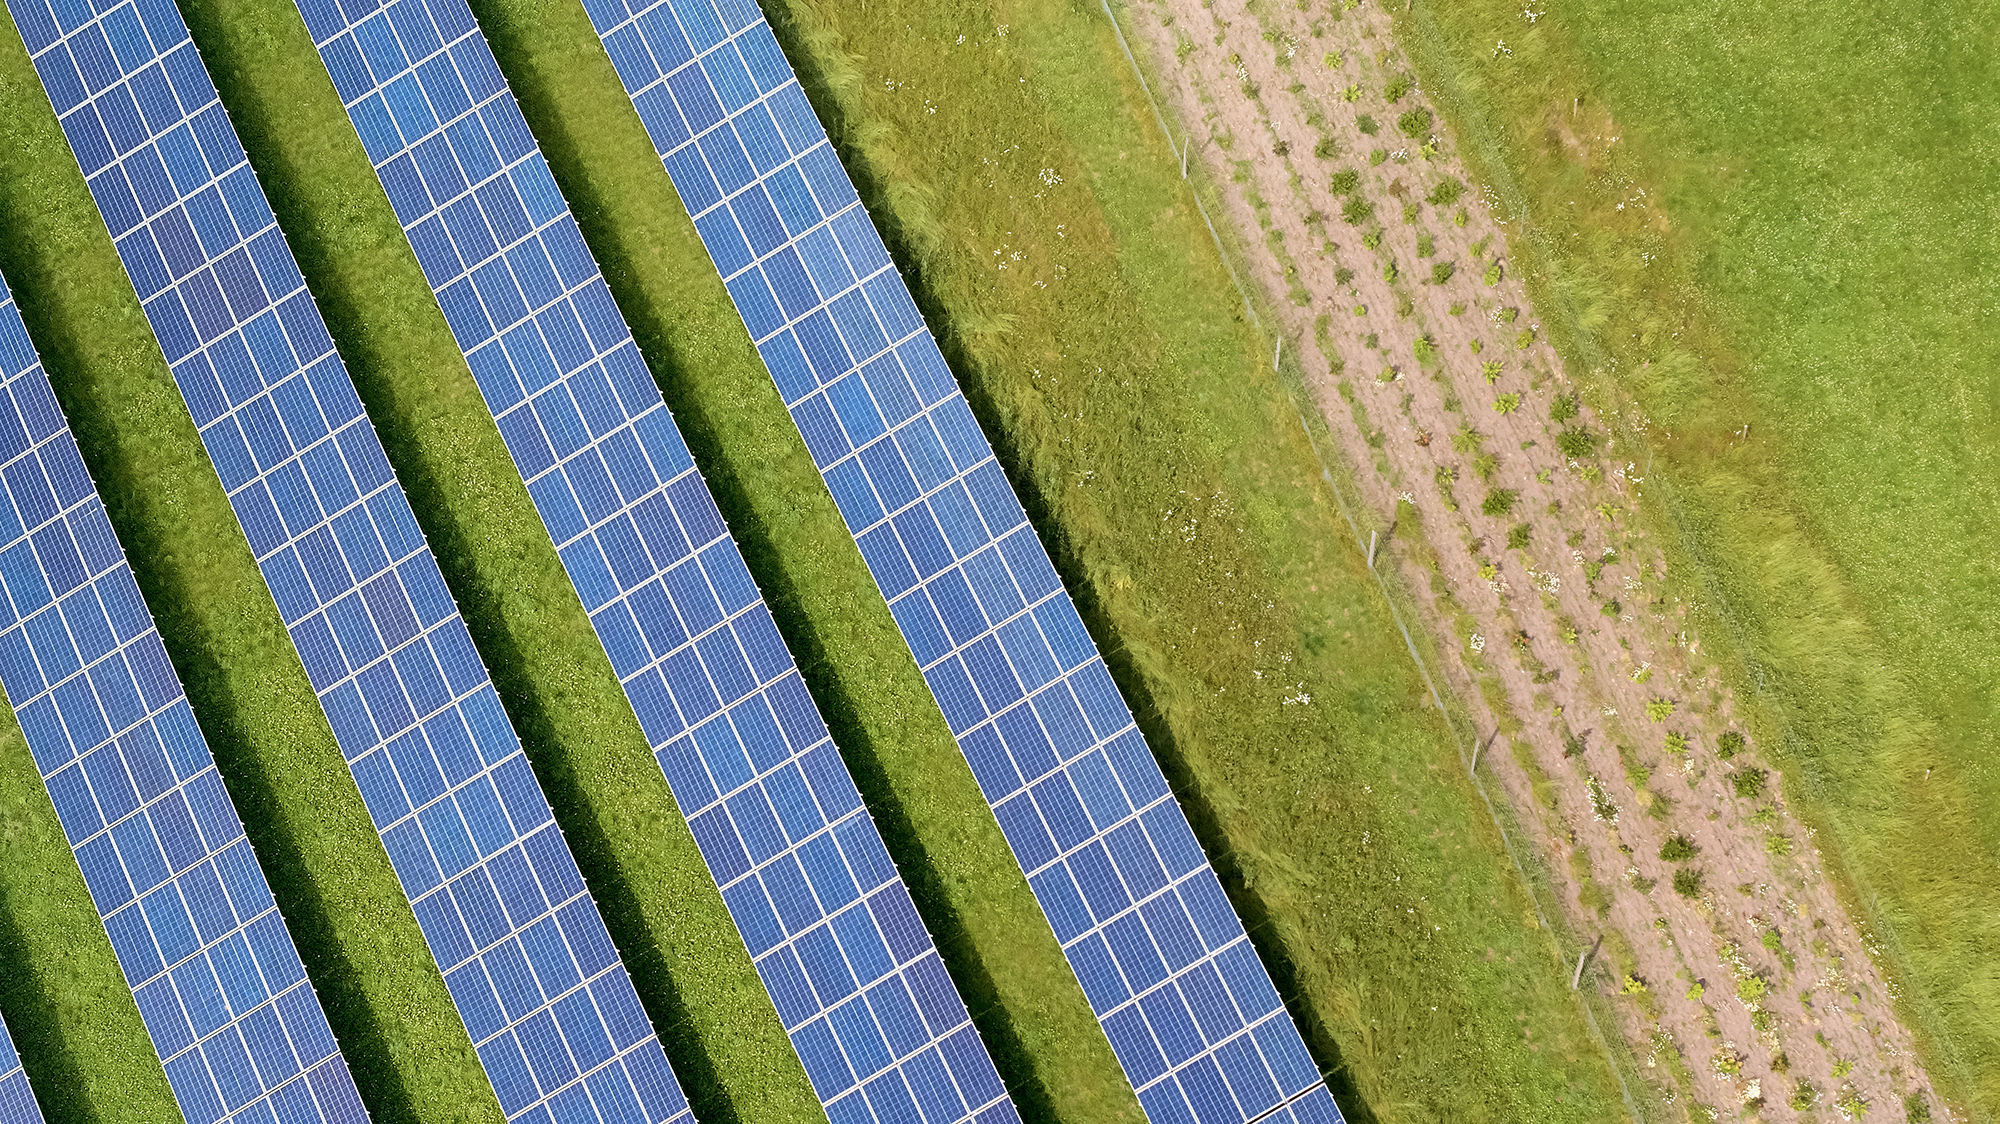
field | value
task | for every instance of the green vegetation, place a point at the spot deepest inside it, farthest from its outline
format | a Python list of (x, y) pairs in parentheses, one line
[(1499, 501), (1677, 849), (1687, 882), (1842, 541), (1343, 181)]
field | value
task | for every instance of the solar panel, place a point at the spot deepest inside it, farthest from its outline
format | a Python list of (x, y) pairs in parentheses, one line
[(190, 916), (17, 1101), (1187, 1005), (532, 970), (855, 977)]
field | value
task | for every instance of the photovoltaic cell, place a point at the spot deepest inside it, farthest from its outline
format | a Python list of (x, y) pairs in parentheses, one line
[(539, 986), (855, 978), (190, 916), (17, 1101), (1181, 994)]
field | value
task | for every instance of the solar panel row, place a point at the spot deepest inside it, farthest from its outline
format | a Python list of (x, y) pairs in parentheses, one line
[(1181, 994), (855, 977), (17, 1101), (530, 965), (189, 914)]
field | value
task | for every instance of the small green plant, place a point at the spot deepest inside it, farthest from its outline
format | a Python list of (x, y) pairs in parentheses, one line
[(1508, 315), (1659, 710), (1343, 181), (1568, 631), (1499, 502), (1804, 1097), (1748, 783), (1488, 571), (1574, 744), (1729, 744), (1576, 442), (1441, 272), (1426, 245), (1327, 148), (1389, 271), (1415, 124), (1916, 1109), (1343, 275), (1484, 465), (1697, 990), (1850, 1104), (1475, 345), (1366, 124), (1396, 88), (1466, 440), (1677, 742), (1356, 210), (1351, 92), (1425, 348), (1457, 309), (1491, 371), (1727, 1064), (1677, 849), (1446, 192), (1507, 403), (1410, 213), (1687, 882), (1775, 844), (1333, 60), (1461, 218), (1611, 608), (1371, 241), (1525, 339), (1517, 537), (1633, 985), (1492, 271)]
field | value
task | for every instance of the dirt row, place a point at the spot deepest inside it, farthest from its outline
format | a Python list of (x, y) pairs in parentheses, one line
[(1742, 987)]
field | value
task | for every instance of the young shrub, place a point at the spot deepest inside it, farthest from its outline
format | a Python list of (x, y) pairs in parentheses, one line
[(1659, 710), (1687, 882), (1475, 346), (1499, 502), (1525, 340), (1371, 242), (1491, 370), (1508, 314), (1611, 608), (1492, 272), (1356, 210), (1563, 408), (1729, 744), (1366, 124), (1426, 244), (1461, 218), (1483, 466), (1376, 157), (1446, 192), (1576, 442), (1351, 92), (1397, 87), (1343, 275), (1507, 403), (1677, 849), (1441, 272), (1389, 272), (1281, 147), (1343, 181), (1517, 537), (1326, 148), (1416, 124), (1425, 349), (1748, 783)]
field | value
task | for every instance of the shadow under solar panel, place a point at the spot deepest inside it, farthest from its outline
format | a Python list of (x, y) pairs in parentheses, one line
[(189, 913), (1181, 994), (531, 968), (855, 977), (17, 1101)]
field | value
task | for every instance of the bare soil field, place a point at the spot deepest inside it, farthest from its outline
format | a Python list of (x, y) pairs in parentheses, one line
[(1744, 989)]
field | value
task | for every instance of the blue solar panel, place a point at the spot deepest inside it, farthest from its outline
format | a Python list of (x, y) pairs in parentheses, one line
[(17, 1101), (854, 976), (1181, 994), (190, 916), (530, 965)]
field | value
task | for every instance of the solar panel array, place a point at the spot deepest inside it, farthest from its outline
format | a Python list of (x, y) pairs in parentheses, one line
[(854, 975), (190, 916), (1181, 994), (530, 965), (17, 1101)]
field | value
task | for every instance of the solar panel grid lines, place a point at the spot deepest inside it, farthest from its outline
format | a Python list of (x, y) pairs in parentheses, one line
[(17, 1101), (856, 979), (1189, 1009), (531, 968), (191, 919)]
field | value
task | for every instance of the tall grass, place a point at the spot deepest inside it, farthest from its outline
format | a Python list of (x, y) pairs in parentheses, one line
[(1805, 229)]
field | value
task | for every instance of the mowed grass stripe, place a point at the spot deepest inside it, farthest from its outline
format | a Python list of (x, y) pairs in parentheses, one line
[(989, 929), (636, 852), (383, 996), (1183, 421)]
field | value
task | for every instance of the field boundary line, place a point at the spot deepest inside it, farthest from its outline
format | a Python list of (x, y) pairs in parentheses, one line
[(1293, 386)]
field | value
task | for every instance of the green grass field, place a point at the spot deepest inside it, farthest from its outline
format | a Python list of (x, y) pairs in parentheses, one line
[(1818, 196)]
